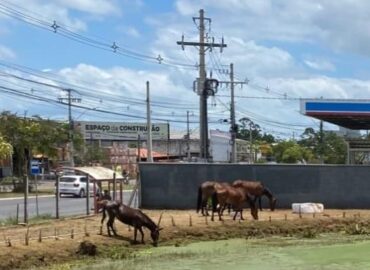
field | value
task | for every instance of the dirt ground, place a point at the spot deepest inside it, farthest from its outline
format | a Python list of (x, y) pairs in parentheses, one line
[(57, 241)]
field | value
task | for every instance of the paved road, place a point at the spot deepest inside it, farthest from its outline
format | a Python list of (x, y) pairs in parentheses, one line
[(67, 206)]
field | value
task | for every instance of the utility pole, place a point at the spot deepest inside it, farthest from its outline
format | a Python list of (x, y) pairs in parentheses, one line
[(187, 136), (70, 99), (321, 142), (149, 124), (71, 148), (233, 126), (205, 87), (250, 144)]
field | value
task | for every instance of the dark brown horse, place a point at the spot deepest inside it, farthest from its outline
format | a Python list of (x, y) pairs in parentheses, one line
[(130, 216), (236, 197), (257, 189), (205, 191)]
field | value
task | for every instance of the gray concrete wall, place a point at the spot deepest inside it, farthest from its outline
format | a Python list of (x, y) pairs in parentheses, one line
[(175, 186)]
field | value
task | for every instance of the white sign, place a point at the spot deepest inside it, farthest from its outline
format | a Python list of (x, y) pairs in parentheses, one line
[(120, 131)]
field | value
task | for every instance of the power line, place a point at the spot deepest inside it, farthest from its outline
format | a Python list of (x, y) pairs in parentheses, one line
[(25, 16), (94, 93)]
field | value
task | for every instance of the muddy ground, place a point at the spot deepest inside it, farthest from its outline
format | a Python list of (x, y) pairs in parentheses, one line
[(57, 242)]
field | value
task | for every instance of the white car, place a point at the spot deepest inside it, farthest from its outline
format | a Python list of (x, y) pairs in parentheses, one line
[(75, 185)]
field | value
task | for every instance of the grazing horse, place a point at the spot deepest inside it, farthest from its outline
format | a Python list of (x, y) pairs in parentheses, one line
[(257, 189), (130, 216), (205, 191), (233, 196)]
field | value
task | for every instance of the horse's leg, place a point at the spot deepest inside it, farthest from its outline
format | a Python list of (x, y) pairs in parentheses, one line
[(108, 229), (205, 207), (110, 226), (241, 214), (260, 202), (142, 235), (236, 212), (219, 212), (135, 234), (214, 204), (222, 209)]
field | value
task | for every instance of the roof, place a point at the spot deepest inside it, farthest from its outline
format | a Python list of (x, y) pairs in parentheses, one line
[(99, 173), (144, 154), (352, 114)]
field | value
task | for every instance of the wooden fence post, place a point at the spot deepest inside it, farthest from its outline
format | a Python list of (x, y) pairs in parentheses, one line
[(173, 221), (26, 240), (40, 236)]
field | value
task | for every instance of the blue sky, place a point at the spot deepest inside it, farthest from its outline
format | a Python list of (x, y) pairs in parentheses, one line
[(296, 48)]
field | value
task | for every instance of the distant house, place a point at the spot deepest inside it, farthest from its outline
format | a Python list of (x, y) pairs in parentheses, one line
[(220, 146)]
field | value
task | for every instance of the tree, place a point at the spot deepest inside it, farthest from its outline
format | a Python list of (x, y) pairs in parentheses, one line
[(325, 146), (6, 149), (36, 135), (291, 152), (247, 126), (94, 153)]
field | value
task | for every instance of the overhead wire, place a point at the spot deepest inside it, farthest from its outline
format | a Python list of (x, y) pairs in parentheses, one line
[(13, 11)]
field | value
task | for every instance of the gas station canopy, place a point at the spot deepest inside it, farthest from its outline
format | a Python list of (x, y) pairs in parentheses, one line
[(352, 114)]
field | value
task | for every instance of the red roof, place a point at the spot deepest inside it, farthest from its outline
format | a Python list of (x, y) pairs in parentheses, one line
[(144, 154)]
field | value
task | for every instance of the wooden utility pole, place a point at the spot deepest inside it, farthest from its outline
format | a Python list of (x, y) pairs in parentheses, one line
[(149, 125), (233, 125), (187, 136), (205, 87), (70, 120)]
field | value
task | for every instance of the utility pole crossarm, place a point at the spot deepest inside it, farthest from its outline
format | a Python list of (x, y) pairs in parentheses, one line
[(229, 82), (205, 44)]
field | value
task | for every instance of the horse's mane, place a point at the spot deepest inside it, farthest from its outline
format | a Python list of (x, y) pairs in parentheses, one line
[(148, 219)]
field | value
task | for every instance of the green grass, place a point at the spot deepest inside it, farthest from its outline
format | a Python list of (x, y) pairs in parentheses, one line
[(327, 252)]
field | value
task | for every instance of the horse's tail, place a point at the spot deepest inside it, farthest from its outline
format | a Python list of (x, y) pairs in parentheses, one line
[(199, 202), (214, 201)]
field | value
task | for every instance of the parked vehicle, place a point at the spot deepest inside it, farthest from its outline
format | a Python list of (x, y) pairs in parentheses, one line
[(76, 185)]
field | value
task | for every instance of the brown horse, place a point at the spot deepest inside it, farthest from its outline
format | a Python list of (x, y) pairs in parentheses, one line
[(233, 196), (205, 191), (130, 216), (257, 189)]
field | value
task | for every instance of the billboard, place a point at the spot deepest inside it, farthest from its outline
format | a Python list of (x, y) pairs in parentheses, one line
[(120, 131)]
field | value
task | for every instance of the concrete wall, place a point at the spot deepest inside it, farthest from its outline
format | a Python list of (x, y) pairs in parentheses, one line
[(175, 186)]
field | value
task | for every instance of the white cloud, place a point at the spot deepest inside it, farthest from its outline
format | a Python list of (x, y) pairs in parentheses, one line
[(341, 25), (320, 64), (123, 81), (98, 7), (60, 10), (132, 31), (6, 53)]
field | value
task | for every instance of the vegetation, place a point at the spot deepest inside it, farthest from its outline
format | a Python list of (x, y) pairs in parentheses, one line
[(29, 136), (6, 149), (312, 147)]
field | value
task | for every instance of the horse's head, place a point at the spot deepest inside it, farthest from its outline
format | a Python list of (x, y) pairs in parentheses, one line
[(254, 209), (272, 203), (155, 235), (254, 212)]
